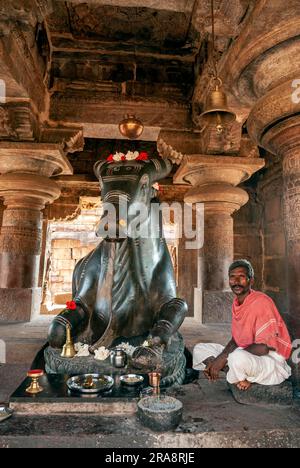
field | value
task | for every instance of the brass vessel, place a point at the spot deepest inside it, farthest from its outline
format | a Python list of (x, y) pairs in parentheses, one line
[(68, 350), (131, 127), (154, 381), (34, 387)]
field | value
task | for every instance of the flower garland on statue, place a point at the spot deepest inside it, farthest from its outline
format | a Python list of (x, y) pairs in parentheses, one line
[(129, 156)]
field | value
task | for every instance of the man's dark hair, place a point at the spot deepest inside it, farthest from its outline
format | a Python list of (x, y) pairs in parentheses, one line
[(243, 264)]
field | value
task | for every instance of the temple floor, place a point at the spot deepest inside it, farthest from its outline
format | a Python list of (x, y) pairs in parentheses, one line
[(211, 416)]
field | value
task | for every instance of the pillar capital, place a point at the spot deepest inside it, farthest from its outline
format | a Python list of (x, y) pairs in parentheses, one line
[(45, 159), (214, 180), (218, 198), (274, 120), (266, 55), (27, 190)]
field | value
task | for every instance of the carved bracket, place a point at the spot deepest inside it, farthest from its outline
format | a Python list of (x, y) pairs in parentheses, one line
[(71, 139), (17, 122)]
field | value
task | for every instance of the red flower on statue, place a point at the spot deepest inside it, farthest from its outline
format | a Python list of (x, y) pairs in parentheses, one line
[(71, 305), (110, 158), (143, 156)]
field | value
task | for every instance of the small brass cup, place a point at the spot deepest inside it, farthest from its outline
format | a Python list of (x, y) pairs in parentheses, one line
[(154, 381), (35, 387)]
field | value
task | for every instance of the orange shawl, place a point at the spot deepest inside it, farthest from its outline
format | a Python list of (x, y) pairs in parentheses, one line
[(258, 321)]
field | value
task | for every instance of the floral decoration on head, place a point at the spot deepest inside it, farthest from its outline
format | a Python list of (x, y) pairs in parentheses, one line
[(129, 156)]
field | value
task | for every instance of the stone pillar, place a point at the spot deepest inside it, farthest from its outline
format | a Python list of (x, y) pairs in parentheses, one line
[(283, 138), (26, 188), (291, 178), (187, 274), (218, 248), (214, 180), (262, 68), (25, 195)]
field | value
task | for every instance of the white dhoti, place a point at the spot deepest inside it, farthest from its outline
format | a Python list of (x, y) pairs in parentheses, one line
[(264, 370)]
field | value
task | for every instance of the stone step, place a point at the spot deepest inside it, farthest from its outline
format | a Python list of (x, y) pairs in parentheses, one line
[(69, 431)]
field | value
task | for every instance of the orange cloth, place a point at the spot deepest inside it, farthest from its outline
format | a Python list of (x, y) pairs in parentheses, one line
[(258, 321)]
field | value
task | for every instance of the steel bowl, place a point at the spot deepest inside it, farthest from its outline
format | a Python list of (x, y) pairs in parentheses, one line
[(131, 379), (5, 413), (90, 383)]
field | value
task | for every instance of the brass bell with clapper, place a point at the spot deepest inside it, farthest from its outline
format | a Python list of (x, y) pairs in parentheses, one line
[(217, 113)]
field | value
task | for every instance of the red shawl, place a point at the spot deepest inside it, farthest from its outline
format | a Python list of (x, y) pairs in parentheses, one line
[(258, 321)]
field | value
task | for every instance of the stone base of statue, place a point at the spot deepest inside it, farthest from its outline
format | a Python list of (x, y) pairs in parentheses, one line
[(172, 366)]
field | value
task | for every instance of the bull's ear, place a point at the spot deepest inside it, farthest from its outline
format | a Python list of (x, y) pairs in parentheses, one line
[(159, 169)]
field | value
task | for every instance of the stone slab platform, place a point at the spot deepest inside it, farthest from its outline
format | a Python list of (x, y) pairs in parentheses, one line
[(56, 398)]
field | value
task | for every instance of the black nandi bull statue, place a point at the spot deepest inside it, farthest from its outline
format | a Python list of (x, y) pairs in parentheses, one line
[(125, 288)]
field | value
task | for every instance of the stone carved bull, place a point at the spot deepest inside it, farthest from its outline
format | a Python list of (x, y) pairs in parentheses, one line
[(125, 289)]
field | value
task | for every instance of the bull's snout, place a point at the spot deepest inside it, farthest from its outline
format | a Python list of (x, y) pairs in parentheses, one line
[(112, 229)]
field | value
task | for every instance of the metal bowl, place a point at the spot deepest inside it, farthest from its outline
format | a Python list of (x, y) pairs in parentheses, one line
[(90, 383), (5, 413), (131, 379)]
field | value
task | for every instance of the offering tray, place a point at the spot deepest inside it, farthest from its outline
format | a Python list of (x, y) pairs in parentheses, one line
[(90, 383)]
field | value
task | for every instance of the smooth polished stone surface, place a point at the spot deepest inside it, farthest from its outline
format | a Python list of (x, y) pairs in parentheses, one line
[(57, 398)]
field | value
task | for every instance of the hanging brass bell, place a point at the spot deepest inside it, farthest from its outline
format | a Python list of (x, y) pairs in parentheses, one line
[(216, 111)]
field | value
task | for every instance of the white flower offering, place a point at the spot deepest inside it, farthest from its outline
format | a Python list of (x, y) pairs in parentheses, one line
[(82, 350), (101, 353)]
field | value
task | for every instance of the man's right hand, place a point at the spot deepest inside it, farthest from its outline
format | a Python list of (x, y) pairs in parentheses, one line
[(213, 369)]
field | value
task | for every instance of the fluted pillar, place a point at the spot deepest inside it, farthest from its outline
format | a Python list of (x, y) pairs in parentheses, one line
[(214, 181), (26, 188)]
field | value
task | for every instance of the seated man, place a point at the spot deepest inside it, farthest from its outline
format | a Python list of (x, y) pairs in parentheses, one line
[(260, 343)]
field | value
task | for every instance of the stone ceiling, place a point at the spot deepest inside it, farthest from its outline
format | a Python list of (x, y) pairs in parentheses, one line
[(124, 54), (85, 64)]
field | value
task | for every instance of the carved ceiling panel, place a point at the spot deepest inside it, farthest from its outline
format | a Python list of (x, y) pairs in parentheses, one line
[(138, 25)]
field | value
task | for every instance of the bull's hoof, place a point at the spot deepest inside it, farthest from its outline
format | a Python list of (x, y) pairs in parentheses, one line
[(147, 359)]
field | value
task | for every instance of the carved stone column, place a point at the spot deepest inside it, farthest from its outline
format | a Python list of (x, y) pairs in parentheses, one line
[(291, 177), (214, 180), (26, 188), (284, 139)]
